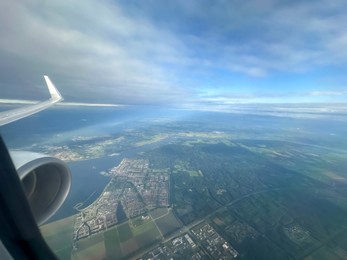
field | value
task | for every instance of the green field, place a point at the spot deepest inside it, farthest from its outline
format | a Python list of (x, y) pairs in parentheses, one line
[(124, 232), (112, 244), (91, 248), (59, 235), (168, 224), (323, 254), (138, 221), (144, 228), (156, 213), (124, 240)]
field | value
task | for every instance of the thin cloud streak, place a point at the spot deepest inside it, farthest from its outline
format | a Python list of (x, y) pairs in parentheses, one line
[(88, 104), (31, 102)]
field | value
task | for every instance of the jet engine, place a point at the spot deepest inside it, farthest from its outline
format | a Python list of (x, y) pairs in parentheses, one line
[(46, 181)]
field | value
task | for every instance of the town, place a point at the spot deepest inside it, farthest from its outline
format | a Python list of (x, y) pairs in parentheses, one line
[(208, 245), (134, 189)]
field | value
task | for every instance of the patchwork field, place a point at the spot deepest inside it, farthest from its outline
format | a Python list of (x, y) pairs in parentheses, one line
[(58, 236), (91, 248), (125, 240), (168, 224)]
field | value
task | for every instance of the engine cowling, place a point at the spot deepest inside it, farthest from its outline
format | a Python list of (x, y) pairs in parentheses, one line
[(46, 181)]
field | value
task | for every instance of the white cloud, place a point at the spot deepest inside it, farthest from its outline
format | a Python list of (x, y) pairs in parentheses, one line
[(110, 54), (260, 38), (30, 102), (252, 71), (165, 52), (328, 93), (87, 104)]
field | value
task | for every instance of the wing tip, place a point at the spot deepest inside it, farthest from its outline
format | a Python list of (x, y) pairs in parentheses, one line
[(55, 94)]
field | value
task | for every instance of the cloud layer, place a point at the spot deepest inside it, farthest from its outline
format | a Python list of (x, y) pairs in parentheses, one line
[(171, 52)]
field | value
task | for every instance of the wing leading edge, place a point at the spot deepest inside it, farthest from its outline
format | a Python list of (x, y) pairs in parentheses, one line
[(9, 116)]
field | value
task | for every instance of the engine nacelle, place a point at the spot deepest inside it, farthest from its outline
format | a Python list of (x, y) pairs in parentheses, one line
[(46, 181)]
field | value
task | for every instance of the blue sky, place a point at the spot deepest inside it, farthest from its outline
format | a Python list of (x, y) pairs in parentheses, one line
[(185, 53)]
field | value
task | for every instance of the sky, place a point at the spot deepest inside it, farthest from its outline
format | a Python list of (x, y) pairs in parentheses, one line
[(175, 53)]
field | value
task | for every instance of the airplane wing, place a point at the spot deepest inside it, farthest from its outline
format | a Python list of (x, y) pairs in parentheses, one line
[(16, 114)]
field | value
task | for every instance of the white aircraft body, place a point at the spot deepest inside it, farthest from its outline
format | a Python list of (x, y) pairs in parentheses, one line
[(16, 114)]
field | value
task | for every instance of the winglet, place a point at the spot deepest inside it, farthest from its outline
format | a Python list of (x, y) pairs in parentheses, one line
[(55, 95), (22, 112)]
